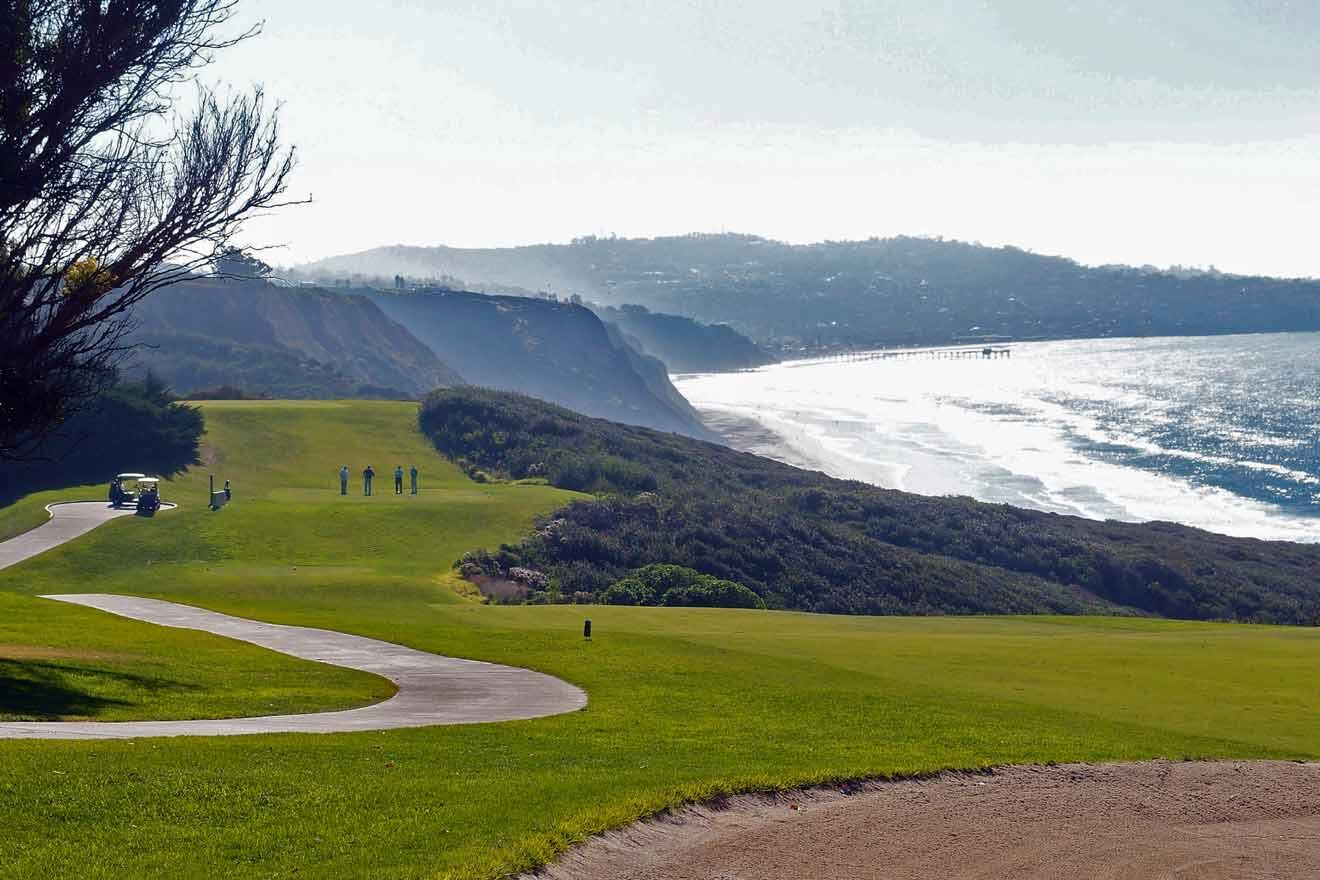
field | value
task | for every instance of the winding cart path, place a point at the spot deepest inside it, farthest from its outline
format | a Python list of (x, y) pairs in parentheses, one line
[(67, 521), (433, 689)]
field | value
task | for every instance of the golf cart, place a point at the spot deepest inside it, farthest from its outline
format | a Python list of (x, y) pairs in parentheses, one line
[(125, 489), (148, 497)]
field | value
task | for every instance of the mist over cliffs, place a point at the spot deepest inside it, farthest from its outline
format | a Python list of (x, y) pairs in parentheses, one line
[(867, 293), (280, 342), (685, 345), (556, 351), (263, 339)]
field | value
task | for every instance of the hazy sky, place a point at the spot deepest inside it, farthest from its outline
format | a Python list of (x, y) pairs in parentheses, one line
[(1139, 131)]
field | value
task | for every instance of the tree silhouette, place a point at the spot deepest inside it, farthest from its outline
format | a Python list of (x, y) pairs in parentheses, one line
[(236, 263), (106, 192)]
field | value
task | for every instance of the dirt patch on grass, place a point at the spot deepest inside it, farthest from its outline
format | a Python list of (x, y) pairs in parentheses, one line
[(39, 652), (499, 590), (1192, 821), (210, 455)]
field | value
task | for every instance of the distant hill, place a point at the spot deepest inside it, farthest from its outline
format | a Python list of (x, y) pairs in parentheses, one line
[(280, 341), (556, 351), (877, 292), (685, 345), (533, 269), (802, 540)]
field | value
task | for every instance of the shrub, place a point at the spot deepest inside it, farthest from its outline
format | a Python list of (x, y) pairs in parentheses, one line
[(222, 392), (712, 592), (677, 585), (530, 578), (660, 578), (629, 591)]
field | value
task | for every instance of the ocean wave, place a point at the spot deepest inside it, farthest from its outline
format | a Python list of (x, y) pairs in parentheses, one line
[(1061, 427)]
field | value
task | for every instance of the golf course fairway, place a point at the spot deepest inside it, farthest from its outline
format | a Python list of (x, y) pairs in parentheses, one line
[(684, 703)]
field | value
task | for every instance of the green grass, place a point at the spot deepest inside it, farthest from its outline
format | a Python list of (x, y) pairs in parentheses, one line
[(291, 531), (30, 511), (62, 662), (685, 703)]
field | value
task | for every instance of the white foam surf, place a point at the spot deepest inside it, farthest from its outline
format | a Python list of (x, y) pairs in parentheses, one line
[(1038, 430)]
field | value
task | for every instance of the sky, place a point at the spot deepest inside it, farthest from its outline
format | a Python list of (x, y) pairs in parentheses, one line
[(1165, 132)]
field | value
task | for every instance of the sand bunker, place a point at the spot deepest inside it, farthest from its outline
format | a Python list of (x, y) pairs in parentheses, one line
[(1191, 821)]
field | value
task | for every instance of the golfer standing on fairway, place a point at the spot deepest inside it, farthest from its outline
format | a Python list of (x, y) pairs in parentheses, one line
[(367, 474), (398, 479), (343, 480), (412, 472)]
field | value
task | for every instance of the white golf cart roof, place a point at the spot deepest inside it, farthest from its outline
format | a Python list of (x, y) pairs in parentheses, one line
[(131, 477), (149, 481)]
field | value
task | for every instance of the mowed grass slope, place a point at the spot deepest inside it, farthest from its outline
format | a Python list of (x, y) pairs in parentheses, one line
[(30, 511), (290, 529), (685, 703)]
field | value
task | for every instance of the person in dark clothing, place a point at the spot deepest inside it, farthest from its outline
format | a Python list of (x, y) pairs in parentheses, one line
[(398, 479), (367, 474), (412, 472), (343, 480), (228, 493)]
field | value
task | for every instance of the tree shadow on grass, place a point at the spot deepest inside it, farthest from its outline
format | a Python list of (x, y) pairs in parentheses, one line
[(49, 692)]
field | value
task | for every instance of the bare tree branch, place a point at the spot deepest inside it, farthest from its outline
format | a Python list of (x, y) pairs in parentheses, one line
[(106, 194)]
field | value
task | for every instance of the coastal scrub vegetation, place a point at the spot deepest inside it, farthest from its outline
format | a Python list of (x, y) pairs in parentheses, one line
[(802, 540), (677, 586)]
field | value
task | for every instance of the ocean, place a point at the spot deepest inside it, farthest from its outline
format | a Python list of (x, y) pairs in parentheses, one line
[(1222, 432)]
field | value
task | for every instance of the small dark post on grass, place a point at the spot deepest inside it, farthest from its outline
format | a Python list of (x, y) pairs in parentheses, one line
[(586, 629)]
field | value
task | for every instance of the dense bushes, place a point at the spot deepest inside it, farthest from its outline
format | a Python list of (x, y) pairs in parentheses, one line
[(802, 540), (224, 392), (132, 426), (674, 585)]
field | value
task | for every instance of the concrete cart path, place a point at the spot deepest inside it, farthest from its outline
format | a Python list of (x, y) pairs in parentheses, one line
[(67, 521), (432, 689)]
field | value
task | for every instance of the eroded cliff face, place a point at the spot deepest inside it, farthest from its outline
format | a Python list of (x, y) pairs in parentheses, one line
[(556, 351), (285, 342), (686, 345)]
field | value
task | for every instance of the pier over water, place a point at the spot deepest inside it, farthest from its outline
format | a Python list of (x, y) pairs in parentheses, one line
[(947, 353)]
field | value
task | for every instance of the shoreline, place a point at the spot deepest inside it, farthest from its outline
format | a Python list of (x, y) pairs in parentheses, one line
[(1059, 430), (746, 434)]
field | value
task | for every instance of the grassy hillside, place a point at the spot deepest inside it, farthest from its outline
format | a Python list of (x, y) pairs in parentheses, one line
[(806, 541), (685, 703), (290, 525)]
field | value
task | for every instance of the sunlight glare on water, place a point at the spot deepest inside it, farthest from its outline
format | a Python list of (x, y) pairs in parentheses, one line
[(1215, 432)]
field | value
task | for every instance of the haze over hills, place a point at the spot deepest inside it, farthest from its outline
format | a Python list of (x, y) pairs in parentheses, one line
[(301, 342), (281, 342), (557, 351), (893, 291), (685, 345)]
